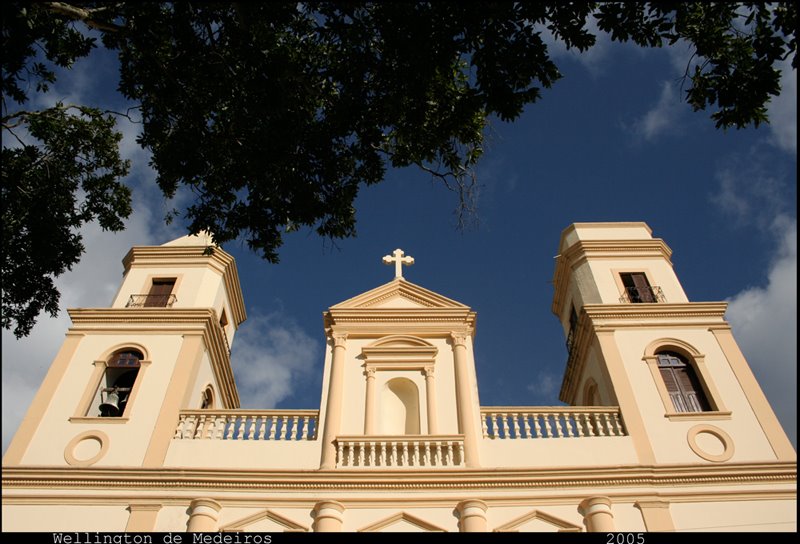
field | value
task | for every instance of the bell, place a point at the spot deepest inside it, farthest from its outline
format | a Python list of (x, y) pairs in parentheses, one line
[(110, 408)]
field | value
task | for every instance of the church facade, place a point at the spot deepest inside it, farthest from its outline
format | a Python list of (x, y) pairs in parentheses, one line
[(137, 426)]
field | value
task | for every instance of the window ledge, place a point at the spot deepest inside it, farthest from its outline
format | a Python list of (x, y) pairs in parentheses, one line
[(691, 416), (90, 419)]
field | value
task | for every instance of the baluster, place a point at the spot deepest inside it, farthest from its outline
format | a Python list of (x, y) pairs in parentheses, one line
[(415, 451), (230, 425), (361, 454), (602, 424), (526, 426), (460, 453), (251, 430), (393, 457), (350, 454), (382, 455), (578, 426), (437, 453), (339, 454), (428, 460), (557, 422), (306, 421), (219, 427), (285, 427), (179, 427), (547, 429), (516, 425), (451, 460), (618, 424), (484, 426), (504, 418), (240, 431), (296, 423), (404, 458), (494, 426), (589, 427), (372, 453), (198, 431), (272, 425), (536, 425)]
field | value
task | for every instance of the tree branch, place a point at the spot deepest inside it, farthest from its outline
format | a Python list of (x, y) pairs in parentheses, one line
[(85, 15)]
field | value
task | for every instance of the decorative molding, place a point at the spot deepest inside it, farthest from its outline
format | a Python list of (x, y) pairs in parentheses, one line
[(514, 525), (339, 339), (183, 478), (398, 287), (286, 523), (401, 516), (69, 450), (722, 436)]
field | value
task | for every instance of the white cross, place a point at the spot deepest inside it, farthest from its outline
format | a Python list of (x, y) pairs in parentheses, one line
[(398, 261)]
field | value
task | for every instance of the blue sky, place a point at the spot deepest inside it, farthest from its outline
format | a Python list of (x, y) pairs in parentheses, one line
[(611, 141)]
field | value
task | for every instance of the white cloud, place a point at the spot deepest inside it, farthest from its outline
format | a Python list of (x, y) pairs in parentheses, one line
[(92, 282), (545, 387), (270, 355), (662, 118), (764, 322), (783, 111)]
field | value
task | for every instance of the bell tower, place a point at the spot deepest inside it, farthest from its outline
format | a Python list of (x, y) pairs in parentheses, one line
[(685, 391), (112, 394)]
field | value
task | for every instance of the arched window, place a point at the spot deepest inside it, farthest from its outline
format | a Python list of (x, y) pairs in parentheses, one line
[(117, 383), (207, 399), (681, 381)]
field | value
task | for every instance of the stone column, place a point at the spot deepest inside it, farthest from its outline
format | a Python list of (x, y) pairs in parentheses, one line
[(370, 427), (328, 517), (204, 516), (430, 397), (333, 411), (472, 513), (466, 417), (596, 512)]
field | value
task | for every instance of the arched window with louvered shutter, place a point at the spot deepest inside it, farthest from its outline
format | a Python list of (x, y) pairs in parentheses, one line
[(684, 388)]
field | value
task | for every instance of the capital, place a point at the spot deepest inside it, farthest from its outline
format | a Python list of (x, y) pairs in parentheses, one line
[(428, 371), (339, 339), (459, 338)]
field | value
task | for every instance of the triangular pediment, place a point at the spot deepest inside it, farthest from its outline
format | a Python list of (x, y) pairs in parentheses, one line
[(264, 521), (536, 521), (398, 294), (401, 523)]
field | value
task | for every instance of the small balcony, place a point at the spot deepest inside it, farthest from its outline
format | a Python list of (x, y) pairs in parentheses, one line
[(638, 295), (406, 451), (151, 301)]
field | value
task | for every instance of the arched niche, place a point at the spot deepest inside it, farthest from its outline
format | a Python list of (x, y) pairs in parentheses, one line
[(399, 408)]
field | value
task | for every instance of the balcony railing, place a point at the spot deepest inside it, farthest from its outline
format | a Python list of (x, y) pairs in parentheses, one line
[(151, 301), (406, 451), (247, 425), (636, 295), (551, 422)]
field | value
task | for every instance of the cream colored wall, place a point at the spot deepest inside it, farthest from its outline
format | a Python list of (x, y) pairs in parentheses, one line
[(738, 516), (244, 454), (659, 273), (197, 285), (669, 438), (64, 517), (605, 231), (557, 452), (127, 441), (205, 376), (355, 389)]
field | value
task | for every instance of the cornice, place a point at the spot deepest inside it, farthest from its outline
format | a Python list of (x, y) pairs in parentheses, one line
[(641, 313), (402, 288), (353, 480), (582, 250), (170, 321), (183, 256)]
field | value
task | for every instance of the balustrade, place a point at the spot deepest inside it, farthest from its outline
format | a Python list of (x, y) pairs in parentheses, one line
[(551, 422), (407, 451), (247, 425)]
